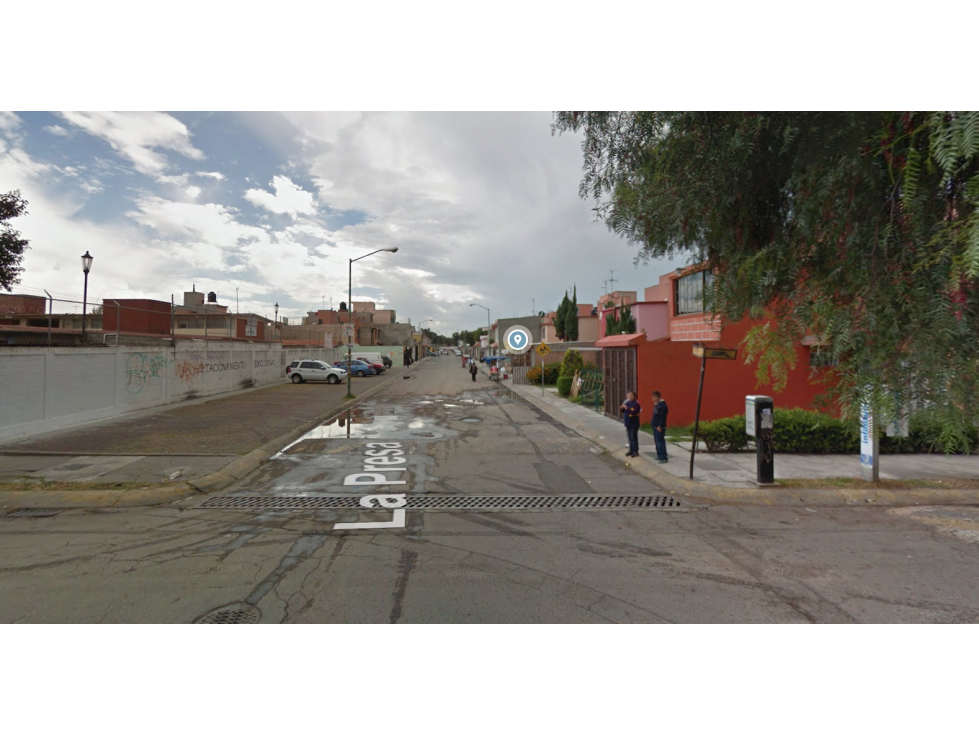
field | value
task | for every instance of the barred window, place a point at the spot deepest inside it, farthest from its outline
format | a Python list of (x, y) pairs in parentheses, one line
[(819, 358), (690, 292)]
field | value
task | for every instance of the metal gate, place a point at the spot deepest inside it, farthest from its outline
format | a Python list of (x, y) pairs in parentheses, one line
[(620, 377), (519, 364)]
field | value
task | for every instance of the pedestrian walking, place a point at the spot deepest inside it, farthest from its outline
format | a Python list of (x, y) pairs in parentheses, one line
[(660, 411), (473, 369), (630, 411)]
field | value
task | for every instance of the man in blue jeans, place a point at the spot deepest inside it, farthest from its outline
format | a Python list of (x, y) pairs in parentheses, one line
[(630, 410), (659, 426)]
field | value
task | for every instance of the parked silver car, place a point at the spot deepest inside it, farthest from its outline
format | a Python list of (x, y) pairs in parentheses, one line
[(313, 370)]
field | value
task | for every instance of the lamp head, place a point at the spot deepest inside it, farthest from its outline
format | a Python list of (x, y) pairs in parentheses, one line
[(86, 262)]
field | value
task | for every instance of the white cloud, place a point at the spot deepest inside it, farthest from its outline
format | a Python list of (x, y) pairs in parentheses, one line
[(8, 121), (58, 131), (482, 207), (136, 135), (287, 199)]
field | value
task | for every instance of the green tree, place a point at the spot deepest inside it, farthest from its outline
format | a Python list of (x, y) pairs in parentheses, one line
[(12, 245), (861, 229), (560, 318), (612, 324), (627, 322), (571, 318), (572, 362)]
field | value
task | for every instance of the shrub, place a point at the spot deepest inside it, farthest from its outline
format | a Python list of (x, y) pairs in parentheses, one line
[(811, 432), (572, 362), (929, 433), (551, 373), (796, 430), (806, 431), (564, 386), (724, 434)]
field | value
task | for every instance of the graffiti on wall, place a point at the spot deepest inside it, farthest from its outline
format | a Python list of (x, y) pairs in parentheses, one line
[(189, 369), (141, 368)]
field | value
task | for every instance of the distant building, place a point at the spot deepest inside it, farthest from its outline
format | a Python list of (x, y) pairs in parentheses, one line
[(378, 316)]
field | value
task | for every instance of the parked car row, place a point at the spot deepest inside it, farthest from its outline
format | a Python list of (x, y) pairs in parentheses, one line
[(313, 370)]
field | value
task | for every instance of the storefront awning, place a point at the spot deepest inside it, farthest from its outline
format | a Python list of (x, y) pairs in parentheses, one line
[(621, 340)]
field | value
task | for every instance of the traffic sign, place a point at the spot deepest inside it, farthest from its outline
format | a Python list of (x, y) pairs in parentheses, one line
[(348, 329), (543, 350)]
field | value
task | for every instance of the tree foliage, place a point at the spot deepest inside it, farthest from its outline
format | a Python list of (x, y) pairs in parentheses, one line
[(571, 318), (620, 321), (573, 362), (861, 229), (561, 318), (12, 245)]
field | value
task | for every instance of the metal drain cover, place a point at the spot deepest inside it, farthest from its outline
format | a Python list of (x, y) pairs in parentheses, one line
[(478, 503), (33, 512), (240, 613)]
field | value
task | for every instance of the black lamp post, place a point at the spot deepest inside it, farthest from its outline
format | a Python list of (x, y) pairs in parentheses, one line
[(276, 320), (86, 266), (350, 305)]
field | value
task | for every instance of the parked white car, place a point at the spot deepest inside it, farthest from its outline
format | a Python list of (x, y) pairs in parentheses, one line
[(312, 370)]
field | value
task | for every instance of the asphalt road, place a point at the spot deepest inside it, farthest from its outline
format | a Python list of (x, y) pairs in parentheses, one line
[(719, 564)]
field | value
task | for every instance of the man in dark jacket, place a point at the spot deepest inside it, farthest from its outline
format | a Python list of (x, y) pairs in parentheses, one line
[(630, 410), (660, 411)]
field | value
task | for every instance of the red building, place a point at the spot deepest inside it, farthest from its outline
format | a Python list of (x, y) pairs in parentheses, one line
[(136, 316), (662, 358)]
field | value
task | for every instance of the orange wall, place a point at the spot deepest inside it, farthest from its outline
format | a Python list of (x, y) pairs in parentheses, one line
[(671, 368)]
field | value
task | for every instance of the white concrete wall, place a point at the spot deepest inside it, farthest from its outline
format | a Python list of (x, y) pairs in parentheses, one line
[(46, 388)]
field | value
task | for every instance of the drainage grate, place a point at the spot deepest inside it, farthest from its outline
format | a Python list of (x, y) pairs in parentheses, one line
[(33, 512), (480, 503), (240, 613)]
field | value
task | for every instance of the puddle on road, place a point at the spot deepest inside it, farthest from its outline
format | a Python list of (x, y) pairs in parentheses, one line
[(358, 423)]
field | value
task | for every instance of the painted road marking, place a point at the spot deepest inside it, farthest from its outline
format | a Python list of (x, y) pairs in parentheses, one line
[(380, 457)]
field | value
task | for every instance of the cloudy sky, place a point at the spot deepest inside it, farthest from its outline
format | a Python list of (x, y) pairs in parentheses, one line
[(484, 207)]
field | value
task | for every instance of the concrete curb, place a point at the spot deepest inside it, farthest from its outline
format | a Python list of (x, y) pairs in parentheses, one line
[(89, 498), (216, 480), (759, 496)]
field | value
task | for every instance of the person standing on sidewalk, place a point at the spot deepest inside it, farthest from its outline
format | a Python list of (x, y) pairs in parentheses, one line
[(660, 411), (473, 369), (630, 410)]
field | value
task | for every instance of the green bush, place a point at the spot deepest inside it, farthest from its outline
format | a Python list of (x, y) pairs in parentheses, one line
[(928, 433), (572, 362), (564, 386), (551, 373), (724, 434), (796, 431), (809, 432)]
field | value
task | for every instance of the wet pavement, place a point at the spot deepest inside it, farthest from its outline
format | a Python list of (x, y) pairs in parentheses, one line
[(440, 435)]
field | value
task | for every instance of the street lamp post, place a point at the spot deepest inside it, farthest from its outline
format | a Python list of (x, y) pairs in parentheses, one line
[(350, 305), (86, 266), (488, 335), (276, 320)]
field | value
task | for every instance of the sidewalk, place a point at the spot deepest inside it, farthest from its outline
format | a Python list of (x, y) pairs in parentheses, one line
[(174, 450), (731, 477)]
